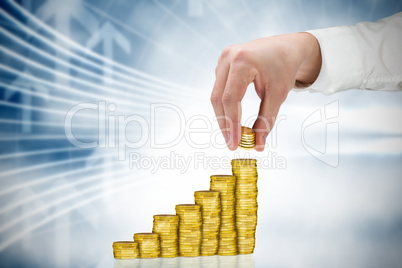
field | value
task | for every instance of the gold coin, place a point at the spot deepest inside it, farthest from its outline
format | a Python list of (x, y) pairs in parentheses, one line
[(193, 207), (222, 177), (125, 257), (247, 131), (244, 161), (166, 217), (207, 194), (249, 143), (125, 244), (142, 236)]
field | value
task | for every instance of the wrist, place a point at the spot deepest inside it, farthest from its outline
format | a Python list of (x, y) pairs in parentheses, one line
[(310, 60)]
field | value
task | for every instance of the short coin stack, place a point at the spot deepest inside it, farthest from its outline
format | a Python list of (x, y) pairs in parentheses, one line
[(247, 140), (210, 211), (245, 171), (190, 222), (225, 185), (167, 227), (148, 244), (125, 250)]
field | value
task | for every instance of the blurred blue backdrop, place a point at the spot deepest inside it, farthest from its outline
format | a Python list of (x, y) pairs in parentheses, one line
[(63, 206)]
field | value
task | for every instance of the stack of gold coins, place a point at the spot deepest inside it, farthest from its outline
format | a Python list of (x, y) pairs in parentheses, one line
[(167, 226), (148, 243), (190, 222), (210, 211), (245, 171), (125, 250), (225, 185), (247, 140)]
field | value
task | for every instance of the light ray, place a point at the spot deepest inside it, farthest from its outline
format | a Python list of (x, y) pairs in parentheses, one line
[(52, 190), (47, 179), (51, 164), (69, 77), (95, 97), (38, 123), (39, 109), (22, 233), (63, 199), (168, 11), (162, 83), (41, 137), (39, 152), (22, 88), (90, 52), (54, 98), (111, 81), (121, 101)]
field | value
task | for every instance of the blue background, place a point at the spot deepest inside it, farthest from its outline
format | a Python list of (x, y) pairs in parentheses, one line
[(63, 206)]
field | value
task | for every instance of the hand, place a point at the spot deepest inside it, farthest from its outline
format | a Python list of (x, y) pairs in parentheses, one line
[(275, 65)]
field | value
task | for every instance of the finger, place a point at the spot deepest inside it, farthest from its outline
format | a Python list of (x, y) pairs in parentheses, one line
[(221, 73), (268, 112), (236, 86)]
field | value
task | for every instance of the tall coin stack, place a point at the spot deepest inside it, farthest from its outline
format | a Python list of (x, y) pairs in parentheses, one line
[(125, 250), (148, 244), (245, 171), (247, 140), (210, 211), (190, 222), (225, 185), (167, 227)]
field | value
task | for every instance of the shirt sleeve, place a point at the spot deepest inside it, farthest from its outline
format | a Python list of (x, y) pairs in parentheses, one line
[(365, 56)]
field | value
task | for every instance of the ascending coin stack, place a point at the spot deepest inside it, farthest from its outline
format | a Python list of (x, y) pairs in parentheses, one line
[(225, 185), (148, 244), (245, 171), (125, 250), (190, 222), (222, 221), (210, 211), (166, 226)]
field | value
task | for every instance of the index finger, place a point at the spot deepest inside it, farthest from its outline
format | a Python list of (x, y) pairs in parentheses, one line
[(236, 86)]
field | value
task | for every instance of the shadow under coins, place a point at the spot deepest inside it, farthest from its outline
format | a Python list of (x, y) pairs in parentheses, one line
[(237, 261)]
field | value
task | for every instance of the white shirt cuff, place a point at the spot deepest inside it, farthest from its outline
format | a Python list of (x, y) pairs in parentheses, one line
[(341, 67)]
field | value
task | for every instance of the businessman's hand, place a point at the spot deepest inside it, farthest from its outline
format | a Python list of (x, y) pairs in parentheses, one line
[(275, 65)]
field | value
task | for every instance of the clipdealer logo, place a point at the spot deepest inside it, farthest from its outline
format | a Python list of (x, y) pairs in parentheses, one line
[(323, 120), (128, 133), (119, 131), (200, 160), (112, 128)]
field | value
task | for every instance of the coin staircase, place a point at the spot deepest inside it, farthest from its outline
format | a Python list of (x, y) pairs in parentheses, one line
[(221, 221)]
